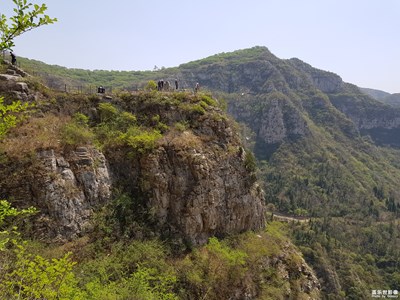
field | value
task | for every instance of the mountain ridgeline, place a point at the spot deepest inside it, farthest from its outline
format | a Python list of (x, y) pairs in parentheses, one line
[(325, 151)]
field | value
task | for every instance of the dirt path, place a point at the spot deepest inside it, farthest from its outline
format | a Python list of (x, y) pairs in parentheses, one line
[(289, 218)]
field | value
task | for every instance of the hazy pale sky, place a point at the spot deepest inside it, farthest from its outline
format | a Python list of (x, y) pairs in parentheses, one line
[(357, 39)]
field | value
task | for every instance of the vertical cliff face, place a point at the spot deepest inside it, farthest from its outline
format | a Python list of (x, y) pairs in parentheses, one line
[(274, 119), (199, 193), (66, 188)]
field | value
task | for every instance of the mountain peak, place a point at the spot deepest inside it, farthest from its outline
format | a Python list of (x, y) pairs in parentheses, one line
[(242, 55)]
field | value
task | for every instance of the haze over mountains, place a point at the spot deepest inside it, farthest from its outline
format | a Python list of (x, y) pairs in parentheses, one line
[(384, 97), (325, 149)]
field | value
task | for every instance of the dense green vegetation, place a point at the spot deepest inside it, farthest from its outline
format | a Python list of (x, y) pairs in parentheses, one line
[(354, 233), (24, 275), (86, 81), (342, 180), (147, 269), (236, 57)]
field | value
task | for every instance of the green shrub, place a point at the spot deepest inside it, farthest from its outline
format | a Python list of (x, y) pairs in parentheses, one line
[(126, 118), (107, 112), (8, 212), (134, 270), (197, 108), (11, 115), (207, 99), (141, 140), (203, 104), (148, 283), (81, 119), (250, 162), (77, 132), (27, 276), (213, 270), (34, 277), (151, 86), (181, 126)]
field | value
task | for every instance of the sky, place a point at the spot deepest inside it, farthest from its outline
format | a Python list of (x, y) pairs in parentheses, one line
[(357, 39)]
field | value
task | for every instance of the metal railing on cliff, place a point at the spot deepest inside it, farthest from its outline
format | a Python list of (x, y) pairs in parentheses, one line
[(87, 89)]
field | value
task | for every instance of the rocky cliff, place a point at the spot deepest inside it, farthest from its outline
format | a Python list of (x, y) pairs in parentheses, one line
[(65, 187), (198, 182), (199, 193), (193, 183)]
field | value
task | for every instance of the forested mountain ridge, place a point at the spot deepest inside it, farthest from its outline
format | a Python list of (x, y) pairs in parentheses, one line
[(325, 150), (319, 143)]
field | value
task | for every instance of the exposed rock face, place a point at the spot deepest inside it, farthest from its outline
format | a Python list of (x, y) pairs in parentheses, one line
[(288, 269), (198, 194), (68, 189), (14, 84), (366, 116), (370, 117), (196, 183), (326, 82), (279, 122)]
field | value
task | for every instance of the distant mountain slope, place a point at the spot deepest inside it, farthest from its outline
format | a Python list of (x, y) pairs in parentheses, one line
[(384, 97), (258, 72), (376, 94), (58, 77), (316, 139), (393, 100)]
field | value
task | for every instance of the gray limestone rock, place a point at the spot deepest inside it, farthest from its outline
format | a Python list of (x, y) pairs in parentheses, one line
[(70, 190)]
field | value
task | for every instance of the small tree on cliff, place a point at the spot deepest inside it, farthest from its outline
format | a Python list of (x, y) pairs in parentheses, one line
[(27, 16)]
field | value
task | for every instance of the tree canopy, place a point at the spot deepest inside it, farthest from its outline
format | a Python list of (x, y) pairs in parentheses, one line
[(27, 16)]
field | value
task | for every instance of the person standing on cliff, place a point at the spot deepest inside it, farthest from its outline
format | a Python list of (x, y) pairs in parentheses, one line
[(197, 87), (13, 59), (176, 84)]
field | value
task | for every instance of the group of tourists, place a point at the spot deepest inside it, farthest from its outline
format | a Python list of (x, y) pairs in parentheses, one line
[(163, 85), (166, 85)]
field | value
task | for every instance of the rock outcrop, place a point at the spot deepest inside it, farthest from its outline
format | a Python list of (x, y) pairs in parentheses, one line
[(289, 269), (326, 82), (277, 121), (70, 189), (16, 86), (198, 193)]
